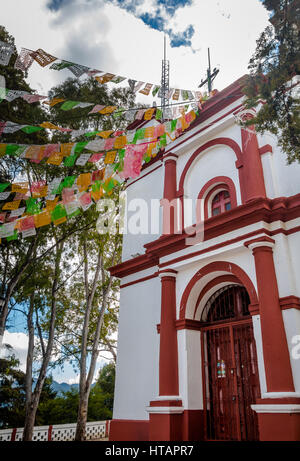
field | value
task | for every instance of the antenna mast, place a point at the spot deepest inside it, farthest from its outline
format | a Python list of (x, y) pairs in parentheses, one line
[(165, 72)]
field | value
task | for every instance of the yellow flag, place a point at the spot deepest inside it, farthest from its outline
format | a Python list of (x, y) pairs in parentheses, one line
[(21, 187), (11, 205), (83, 181), (148, 114), (105, 78), (149, 132), (42, 219), (55, 159), (120, 142), (66, 148), (54, 101), (107, 110), (2, 149), (60, 221), (96, 195), (51, 204), (105, 134), (110, 156), (50, 126)]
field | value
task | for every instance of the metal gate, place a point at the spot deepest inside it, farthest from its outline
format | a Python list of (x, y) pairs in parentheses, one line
[(229, 365)]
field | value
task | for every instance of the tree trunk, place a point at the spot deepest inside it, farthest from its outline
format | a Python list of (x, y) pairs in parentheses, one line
[(80, 435), (34, 401), (29, 415), (30, 420)]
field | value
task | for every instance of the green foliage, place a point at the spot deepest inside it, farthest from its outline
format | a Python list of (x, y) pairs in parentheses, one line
[(63, 410), (275, 62), (12, 394)]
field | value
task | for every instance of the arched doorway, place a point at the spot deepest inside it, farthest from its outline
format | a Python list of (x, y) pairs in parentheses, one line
[(229, 366)]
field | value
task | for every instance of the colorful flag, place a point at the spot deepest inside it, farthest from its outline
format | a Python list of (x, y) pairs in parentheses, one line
[(176, 94), (43, 58), (68, 105), (105, 78), (24, 60), (6, 50), (146, 89)]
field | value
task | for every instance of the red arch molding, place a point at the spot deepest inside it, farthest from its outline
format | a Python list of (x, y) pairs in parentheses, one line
[(219, 181), (217, 266), (214, 142)]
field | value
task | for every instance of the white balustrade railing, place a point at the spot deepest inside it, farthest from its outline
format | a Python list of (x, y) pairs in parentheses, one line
[(59, 432)]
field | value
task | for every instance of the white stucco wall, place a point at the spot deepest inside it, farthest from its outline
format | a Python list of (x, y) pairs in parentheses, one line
[(138, 350), (145, 189)]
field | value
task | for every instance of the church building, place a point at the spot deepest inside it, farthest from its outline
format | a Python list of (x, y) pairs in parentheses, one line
[(209, 322)]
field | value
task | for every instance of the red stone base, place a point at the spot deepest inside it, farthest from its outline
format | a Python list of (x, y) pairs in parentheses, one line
[(279, 426), (129, 430), (187, 426)]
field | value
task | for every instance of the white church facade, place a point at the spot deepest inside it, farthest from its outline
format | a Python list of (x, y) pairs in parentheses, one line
[(209, 330)]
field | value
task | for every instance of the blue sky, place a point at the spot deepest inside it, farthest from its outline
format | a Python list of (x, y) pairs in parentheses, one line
[(156, 19)]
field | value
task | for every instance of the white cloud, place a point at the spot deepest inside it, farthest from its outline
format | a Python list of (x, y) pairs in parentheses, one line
[(102, 35), (19, 343)]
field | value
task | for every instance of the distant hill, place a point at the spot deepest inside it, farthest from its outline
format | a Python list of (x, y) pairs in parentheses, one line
[(63, 387)]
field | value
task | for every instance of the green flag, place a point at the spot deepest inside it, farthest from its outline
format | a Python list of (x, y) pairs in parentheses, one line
[(3, 186), (68, 105), (58, 212), (31, 129)]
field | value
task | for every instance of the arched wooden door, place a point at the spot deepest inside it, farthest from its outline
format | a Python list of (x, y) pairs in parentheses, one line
[(229, 365)]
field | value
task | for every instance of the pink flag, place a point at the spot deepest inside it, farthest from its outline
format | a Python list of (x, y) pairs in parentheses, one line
[(109, 143), (30, 98), (96, 157), (96, 109)]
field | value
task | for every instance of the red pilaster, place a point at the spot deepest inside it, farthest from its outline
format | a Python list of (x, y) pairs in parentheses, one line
[(252, 174), (165, 413), (275, 349), (170, 187), (168, 355)]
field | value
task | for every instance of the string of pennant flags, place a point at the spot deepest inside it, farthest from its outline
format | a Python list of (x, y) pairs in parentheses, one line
[(115, 155), (130, 114), (64, 198), (8, 127), (26, 57)]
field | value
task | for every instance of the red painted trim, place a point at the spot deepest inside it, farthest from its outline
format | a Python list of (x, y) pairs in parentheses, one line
[(131, 266), (289, 302), (217, 266), (266, 148), (274, 341), (13, 434), (213, 247), (188, 324), (221, 279), (107, 425), (282, 427), (214, 142), (267, 210), (50, 428), (129, 430), (252, 177), (207, 126), (166, 403), (210, 187), (259, 240), (168, 348), (143, 279)]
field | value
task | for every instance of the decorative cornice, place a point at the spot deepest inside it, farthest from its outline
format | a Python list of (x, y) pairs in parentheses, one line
[(258, 210), (289, 302), (263, 241)]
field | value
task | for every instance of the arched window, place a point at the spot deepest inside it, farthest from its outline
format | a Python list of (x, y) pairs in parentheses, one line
[(220, 203)]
